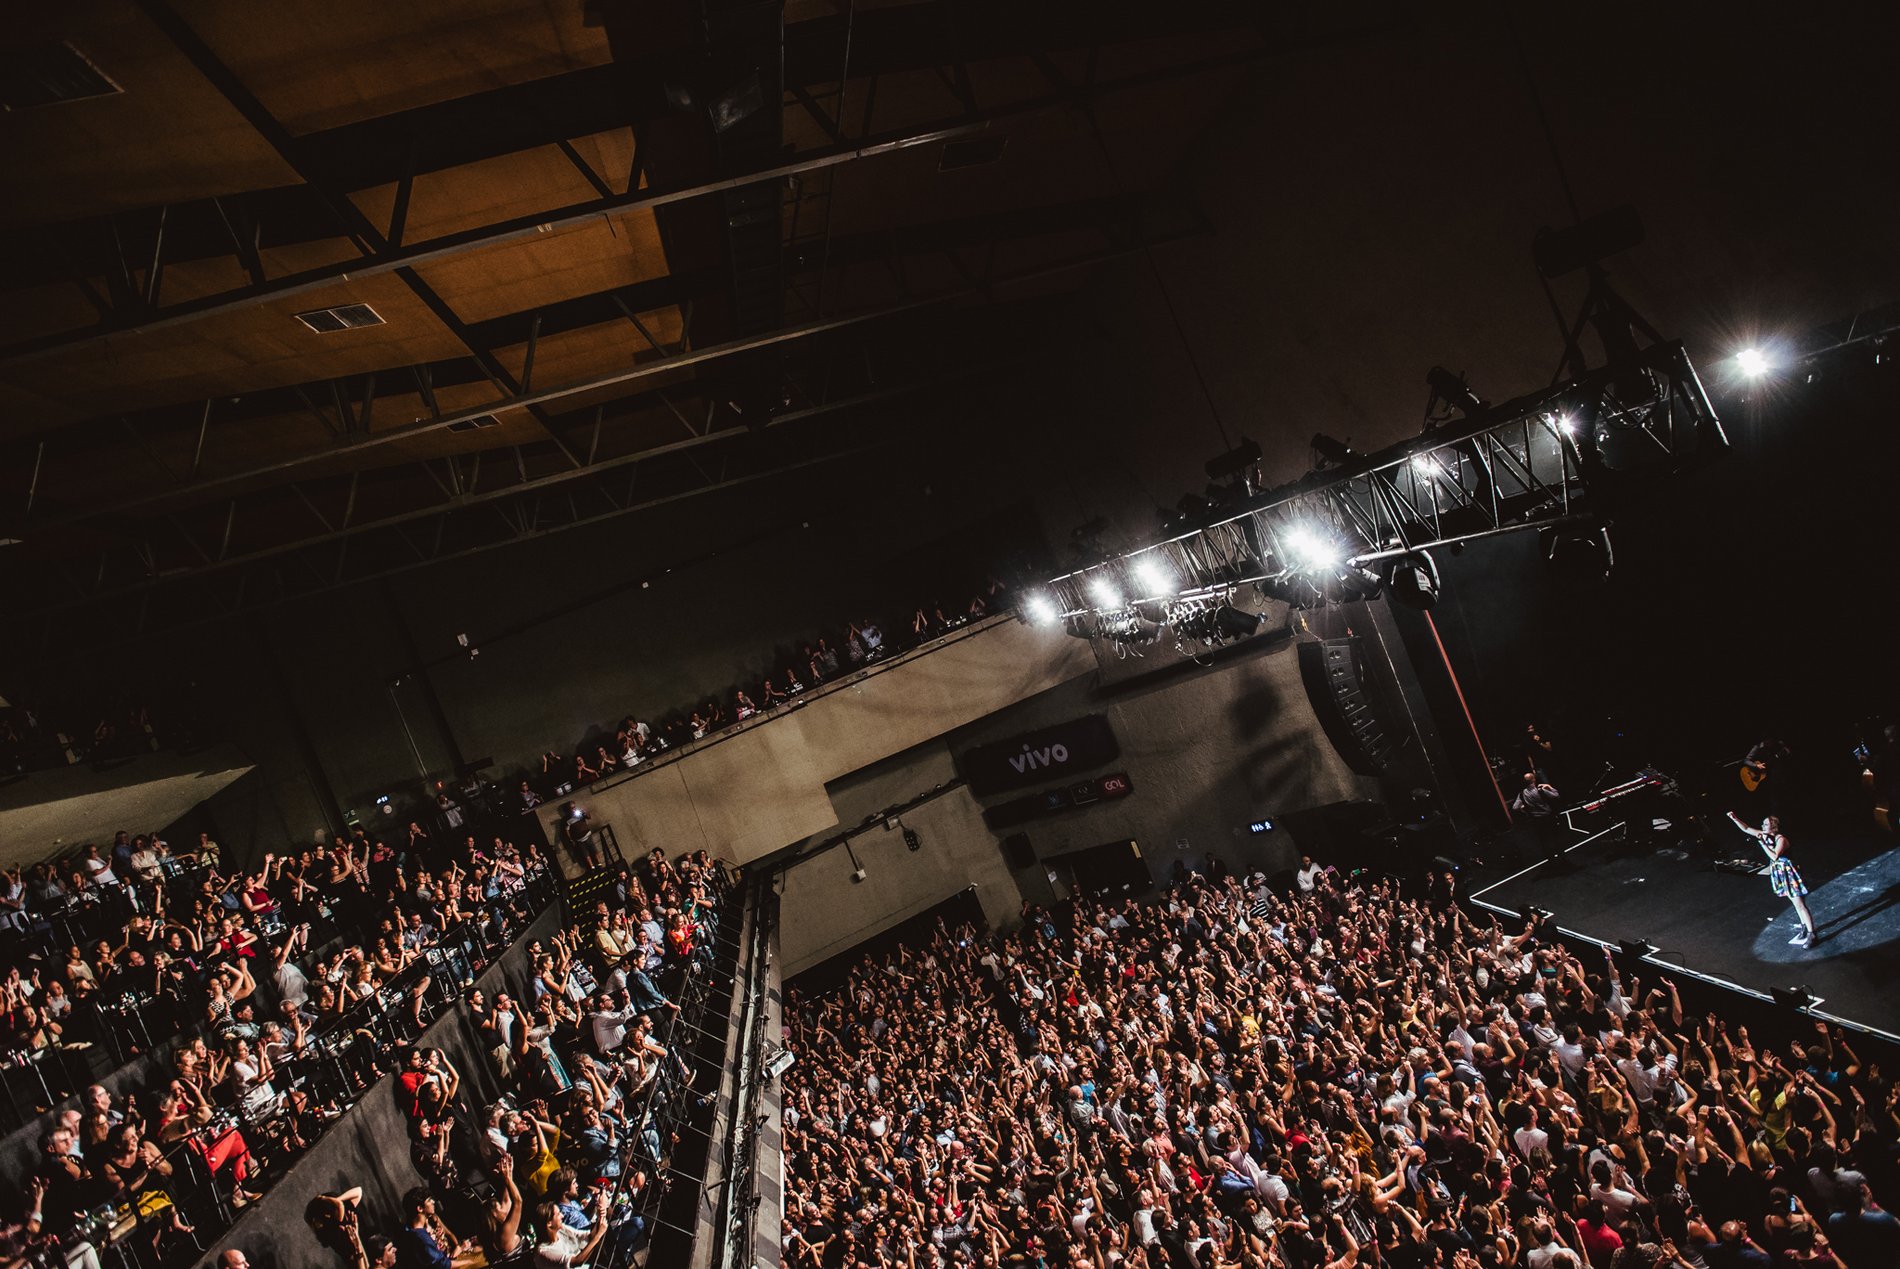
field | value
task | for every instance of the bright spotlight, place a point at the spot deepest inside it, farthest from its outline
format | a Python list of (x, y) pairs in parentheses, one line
[(1425, 464), (1752, 362), (1153, 576), (1311, 551), (1041, 610), (1567, 424), (1104, 592)]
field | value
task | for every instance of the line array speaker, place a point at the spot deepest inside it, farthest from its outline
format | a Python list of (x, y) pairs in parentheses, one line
[(1335, 682)]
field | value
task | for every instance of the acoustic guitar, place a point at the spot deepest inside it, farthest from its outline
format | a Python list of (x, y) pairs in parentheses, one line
[(1754, 774)]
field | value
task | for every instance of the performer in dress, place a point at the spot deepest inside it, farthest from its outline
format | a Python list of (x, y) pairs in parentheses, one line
[(1782, 874)]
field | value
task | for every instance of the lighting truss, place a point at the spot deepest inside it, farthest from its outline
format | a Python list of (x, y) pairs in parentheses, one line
[(1565, 455)]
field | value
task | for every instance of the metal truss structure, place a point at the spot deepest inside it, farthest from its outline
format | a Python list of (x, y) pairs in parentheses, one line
[(1563, 456)]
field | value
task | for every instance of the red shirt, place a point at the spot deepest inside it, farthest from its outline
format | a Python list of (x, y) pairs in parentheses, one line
[(1600, 1241)]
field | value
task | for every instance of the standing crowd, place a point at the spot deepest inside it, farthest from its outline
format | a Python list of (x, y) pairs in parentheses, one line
[(1348, 1074)]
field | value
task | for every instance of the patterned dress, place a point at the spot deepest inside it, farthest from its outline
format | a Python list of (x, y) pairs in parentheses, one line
[(1785, 878)]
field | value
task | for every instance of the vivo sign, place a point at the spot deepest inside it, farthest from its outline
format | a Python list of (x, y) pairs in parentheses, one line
[(1051, 753)]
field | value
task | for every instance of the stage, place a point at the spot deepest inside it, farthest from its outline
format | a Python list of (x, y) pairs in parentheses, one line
[(1728, 927)]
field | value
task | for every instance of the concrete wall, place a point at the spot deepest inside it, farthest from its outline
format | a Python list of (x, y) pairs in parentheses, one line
[(63, 808), (369, 1146), (760, 788), (1208, 750), (826, 913)]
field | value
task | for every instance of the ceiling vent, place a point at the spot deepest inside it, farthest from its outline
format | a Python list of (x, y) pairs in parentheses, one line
[(342, 317), (470, 425), (48, 74), (975, 152)]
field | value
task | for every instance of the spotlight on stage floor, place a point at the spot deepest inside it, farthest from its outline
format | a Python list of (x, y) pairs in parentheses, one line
[(1635, 949), (1541, 914)]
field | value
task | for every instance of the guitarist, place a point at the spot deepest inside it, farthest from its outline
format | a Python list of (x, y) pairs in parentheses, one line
[(1782, 874), (1762, 760)]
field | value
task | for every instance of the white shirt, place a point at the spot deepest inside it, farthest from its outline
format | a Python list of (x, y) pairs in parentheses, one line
[(1552, 1255), (559, 1252), (1570, 1056), (1618, 1203), (610, 1029), (292, 985)]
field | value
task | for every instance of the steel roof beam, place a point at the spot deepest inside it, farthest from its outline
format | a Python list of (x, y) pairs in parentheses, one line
[(522, 228), (358, 442)]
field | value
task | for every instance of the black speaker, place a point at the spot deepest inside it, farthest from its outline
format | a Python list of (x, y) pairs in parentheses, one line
[(1018, 851), (1330, 668)]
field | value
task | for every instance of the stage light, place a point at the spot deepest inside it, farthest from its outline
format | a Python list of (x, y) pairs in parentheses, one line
[(1425, 465), (1236, 623), (1082, 625), (1127, 628), (1636, 949), (1237, 461), (1752, 362), (1800, 999), (1104, 592), (1041, 610), (1567, 424), (1153, 576), (1455, 392), (1333, 451), (1413, 580), (1311, 551), (1585, 554)]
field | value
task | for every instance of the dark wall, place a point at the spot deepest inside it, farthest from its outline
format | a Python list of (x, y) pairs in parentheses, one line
[(1749, 599), (369, 1146)]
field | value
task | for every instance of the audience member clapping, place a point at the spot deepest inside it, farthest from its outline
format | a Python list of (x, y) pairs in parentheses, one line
[(1343, 1075)]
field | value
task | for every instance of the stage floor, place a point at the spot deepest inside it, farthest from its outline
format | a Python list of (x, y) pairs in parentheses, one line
[(1730, 926)]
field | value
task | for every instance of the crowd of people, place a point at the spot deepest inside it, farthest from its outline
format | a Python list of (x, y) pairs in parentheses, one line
[(826, 656), (1347, 1073), (293, 988), (567, 1165), (233, 1011)]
